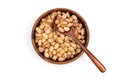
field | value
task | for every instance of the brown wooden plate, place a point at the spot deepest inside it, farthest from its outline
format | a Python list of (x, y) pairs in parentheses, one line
[(37, 23)]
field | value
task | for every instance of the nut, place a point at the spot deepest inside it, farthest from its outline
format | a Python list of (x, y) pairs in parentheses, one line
[(66, 28), (67, 44), (39, 43), (40, 49), (73, 45), (61, 59), (38, 30), (71, 49), (45, 35), (56, 46), (74, 17), (54, 52), (61, 51), (56, 21), (41, 26), (82, 31), (59, 40), (46, 54), (54, 57), (50, 35), (48, 31), (61, 29), (51, 48)]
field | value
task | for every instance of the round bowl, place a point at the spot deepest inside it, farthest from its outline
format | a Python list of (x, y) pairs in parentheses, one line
[(80, 19)]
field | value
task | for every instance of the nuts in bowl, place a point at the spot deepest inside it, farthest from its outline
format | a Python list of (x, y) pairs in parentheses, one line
[(53, 46)]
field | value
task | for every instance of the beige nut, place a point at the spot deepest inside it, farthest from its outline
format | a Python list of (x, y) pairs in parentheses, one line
[(65, 55), (54, 52), (71, 49), (76, 24), (66, 49), (75, 33), (75, 21), (67, 20), (59, 55), (64, 16), (61, 59), (64, 23), (71, 19), (67, 14), (69, 24), (56, 46), (62, 46), (54, 36), (66, 44), (56, 21), (80, 25), (50, 35), (69, 53), (73, 45), (51, 48), (43, 40), (58, 25), (45, 35), (61, 51), (82, 31), (72, 56), (59, 40), (78, 29), (52, 43), (38, 30), (74, 17), (82, 41), (78, 50), (46, 50), (79, 36), (39, 42), (49, 20), (62, 36), (40, 49), (50, 40), (60, 29), (50, 54), (54, 57), (43, 20), (48, 31), (46, 25), (66, 28), (73, 52), (38, 35), (46, 54), (41, 26), (46, 44), (58, 50), (66, 38)]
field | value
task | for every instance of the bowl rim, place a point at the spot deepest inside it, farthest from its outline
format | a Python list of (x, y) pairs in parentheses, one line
[(46, 13)]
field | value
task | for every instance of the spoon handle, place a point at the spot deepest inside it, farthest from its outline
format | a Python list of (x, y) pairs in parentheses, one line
[(98, 64)]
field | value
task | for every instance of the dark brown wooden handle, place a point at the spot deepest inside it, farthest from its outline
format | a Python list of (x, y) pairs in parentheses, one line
[(98, 64)]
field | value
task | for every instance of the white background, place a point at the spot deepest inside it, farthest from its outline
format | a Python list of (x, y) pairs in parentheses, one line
[(19, 61)]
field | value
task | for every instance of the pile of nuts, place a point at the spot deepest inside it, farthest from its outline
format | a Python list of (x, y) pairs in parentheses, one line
[(54, 45)]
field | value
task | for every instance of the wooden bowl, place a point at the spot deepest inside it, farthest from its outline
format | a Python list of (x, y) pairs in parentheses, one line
[(80, 19)]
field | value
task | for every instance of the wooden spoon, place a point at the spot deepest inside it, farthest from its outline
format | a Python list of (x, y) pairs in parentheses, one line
[(70, 33)]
